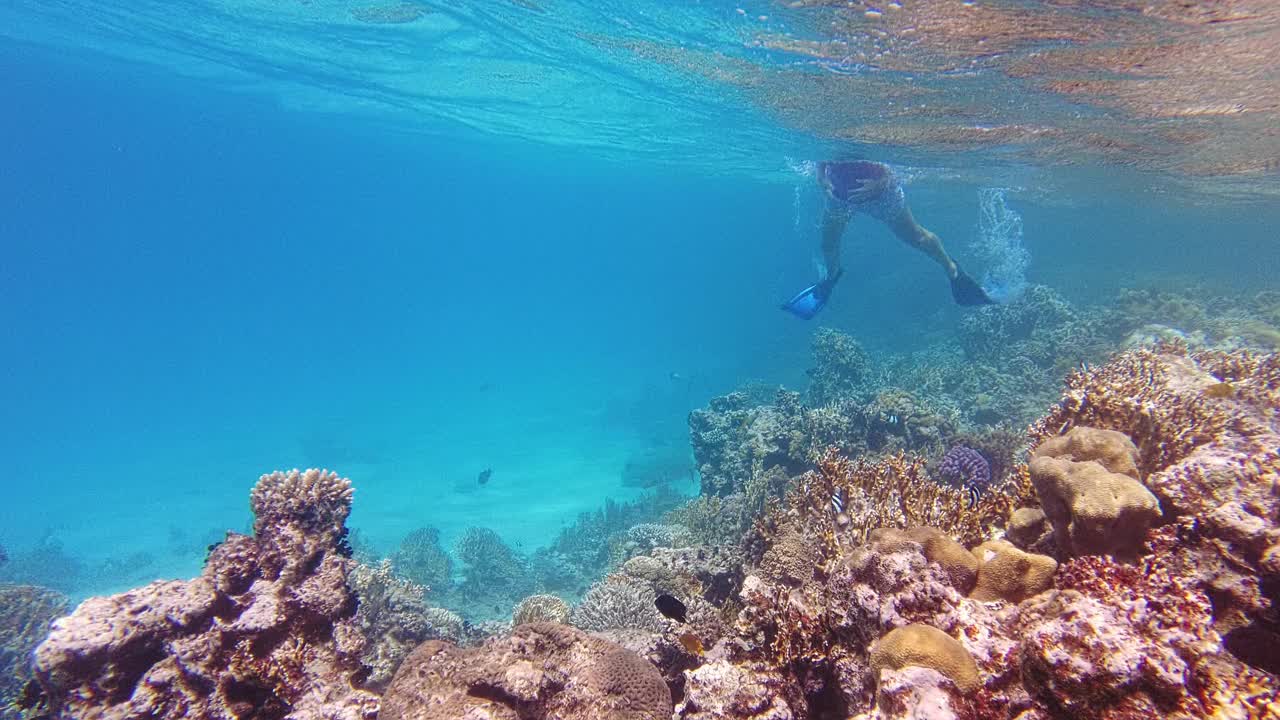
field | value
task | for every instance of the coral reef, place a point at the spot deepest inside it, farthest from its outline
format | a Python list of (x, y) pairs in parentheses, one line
[(641, 539), (267, 628), (46, 564), (25, 614), (840, 367), (735, 442), (540, 608), (581, 553), (495, 577), (421, 560), (392, 617), (1178, 626), (1210, 457), (542, 670), (1087, 482)]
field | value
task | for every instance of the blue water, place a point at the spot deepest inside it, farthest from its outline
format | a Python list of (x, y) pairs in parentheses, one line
[(226, 249)]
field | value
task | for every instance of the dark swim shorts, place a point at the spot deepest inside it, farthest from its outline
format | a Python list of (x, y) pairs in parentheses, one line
[(840, 179)]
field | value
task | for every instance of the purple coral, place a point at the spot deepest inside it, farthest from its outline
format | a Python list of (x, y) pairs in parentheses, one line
[(965, 467)]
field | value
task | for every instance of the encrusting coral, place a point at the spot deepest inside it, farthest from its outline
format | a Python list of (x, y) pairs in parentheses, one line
[(542, 670), (267, 629)]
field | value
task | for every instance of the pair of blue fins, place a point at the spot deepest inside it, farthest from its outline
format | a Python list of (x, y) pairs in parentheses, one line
[(964, 289)]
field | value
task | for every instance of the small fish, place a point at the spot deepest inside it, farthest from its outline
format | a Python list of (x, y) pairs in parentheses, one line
[(670, 607), (839, 500), (839, 506), (485, 475), (1220, 390), (975, 494), (691, 643), (675, 376)]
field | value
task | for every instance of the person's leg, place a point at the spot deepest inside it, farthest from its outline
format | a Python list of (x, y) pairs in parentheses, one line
[(834, 221), (964, 289), (904, 225)]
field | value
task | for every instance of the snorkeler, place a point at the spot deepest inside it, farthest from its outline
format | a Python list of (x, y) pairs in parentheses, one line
[(870, 187)]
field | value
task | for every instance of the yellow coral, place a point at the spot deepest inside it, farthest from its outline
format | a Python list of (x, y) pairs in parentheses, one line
[(1007, 573), (1093, 510), (959, 564), (926, 646)]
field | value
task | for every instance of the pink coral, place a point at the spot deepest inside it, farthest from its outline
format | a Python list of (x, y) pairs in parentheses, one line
[(266, 629)]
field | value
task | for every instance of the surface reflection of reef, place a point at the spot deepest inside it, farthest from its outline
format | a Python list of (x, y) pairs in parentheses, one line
[(1184, 87)]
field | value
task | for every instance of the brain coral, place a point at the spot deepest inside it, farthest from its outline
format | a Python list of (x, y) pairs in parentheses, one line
[(925, 646), (1093, 511), (541, 671)]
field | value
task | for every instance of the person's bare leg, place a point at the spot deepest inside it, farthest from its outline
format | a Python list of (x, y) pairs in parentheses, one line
[(834, 221), (909, 231)]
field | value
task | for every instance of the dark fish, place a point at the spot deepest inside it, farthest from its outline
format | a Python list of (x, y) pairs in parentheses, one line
[(975, 493), (670, 607), (485, 475)]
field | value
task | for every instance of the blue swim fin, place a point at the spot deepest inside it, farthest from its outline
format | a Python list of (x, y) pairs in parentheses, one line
[(812, 299)]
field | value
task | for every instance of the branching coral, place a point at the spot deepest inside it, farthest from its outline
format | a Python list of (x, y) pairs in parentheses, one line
[(422, 560), (895, 492), (25, 614), (391, 615), (840, 365), (618, 602), (540, 608), (495, 574)]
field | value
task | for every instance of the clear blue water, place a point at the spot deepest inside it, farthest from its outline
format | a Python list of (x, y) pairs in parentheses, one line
[(237, 237)]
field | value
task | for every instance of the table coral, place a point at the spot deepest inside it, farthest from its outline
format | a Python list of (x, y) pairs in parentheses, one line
[(267, 628), (542, 670)]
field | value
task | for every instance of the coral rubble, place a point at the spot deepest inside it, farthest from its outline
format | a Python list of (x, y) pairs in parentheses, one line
[(268, 628)]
